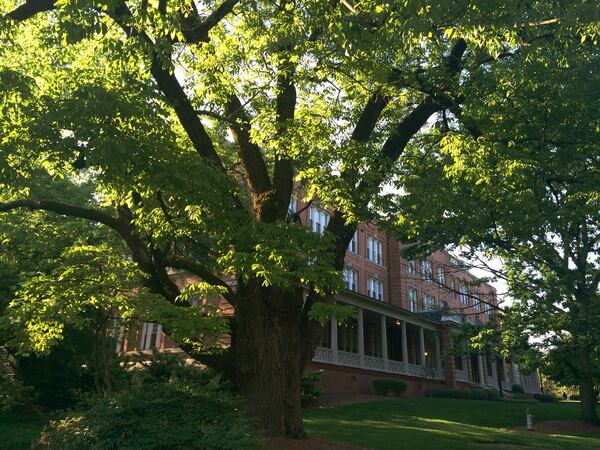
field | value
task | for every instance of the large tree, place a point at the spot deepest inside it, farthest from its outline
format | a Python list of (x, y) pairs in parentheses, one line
[(521, 182), (195, 119)]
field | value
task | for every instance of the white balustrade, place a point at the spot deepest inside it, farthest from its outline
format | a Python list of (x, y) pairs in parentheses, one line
[(323, 354), (461, 375), (348, 359), (372, 362), (396, 367)]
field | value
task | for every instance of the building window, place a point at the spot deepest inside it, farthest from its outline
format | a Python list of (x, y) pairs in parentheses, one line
[(412, 299), (353, 245), (428, 302), (318, 219), (476, 302), (351, 278), (293, 206), (441, 275), (375, 288), (464, 295), (411, 267), (375, 250), (348, 336), (458, 363), (489, 305), (426, 271), (151, 334)]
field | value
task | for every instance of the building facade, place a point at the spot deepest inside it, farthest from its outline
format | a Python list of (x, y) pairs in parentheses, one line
[(409, 317)]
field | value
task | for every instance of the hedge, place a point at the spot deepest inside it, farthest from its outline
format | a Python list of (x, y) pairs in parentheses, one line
[(389, 387)]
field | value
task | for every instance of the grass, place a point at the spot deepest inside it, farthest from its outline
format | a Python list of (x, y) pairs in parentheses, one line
[(18, 429), (435, 423)]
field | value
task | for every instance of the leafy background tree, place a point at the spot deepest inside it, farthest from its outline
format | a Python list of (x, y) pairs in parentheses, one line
[(518, 178)]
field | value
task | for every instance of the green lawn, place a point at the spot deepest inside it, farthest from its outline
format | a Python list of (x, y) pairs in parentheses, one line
[(431, 423), (18, 430)]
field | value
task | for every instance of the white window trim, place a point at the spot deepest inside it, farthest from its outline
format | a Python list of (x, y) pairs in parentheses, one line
[(375, 288), (318, 219), (412, 302), (354, 241), (353, 284), (375, 250)]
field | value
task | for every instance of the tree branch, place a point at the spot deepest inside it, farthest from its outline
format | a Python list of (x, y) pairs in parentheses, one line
[(29, 9), (65, 210), (249, 152), (283, 172), (201, 271)]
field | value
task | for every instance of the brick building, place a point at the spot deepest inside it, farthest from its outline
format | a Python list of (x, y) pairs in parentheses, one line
[(407, 314)]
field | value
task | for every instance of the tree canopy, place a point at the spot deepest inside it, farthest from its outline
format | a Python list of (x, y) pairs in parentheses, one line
[(194, 121)]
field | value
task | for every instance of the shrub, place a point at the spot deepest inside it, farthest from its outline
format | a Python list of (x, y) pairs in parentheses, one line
[(517, 389), (155, 415), (14, 393), (309, 389), (389, 387), (545, 398), (575, 397), (467, 394), (521, 396)]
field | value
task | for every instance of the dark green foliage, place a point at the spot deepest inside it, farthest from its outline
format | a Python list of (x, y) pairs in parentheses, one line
[(521, 396), (517, 389), (19, 428), (545, 398), (389, 387), (60, 376), (309, 389), (467, 394), (575, 397), (156, 414), (14, 393)]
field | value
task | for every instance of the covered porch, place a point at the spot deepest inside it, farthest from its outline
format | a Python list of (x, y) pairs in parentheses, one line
[(382, 342)]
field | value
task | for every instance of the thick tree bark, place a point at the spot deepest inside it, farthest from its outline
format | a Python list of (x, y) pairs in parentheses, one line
[(589, 413), (268, 346)]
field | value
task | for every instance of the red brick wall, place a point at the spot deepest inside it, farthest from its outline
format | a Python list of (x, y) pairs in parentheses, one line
[(350, 380)]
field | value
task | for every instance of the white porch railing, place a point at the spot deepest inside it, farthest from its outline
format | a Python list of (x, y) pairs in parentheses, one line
[(325, 355), (372, 362), (348, 359), (461, 375)]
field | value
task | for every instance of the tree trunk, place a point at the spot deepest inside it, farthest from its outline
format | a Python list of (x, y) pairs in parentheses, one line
[(270, 353), (589, 413)]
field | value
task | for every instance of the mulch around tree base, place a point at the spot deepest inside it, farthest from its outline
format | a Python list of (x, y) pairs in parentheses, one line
[(310, 443), (568, 427)]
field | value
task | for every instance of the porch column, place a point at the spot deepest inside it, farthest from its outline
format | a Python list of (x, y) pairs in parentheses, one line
[(515, 372), (438, 355), (334, 340), (404, 344), (480, 369), (361, 338), (503, 381), (422, 345), (384, 346)]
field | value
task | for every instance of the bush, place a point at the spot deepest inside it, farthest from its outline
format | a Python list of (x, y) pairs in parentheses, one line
[(389, 387), (309, 389), (155, 415), (575, 397), (14, 393), (521, 396), (466, 394), (517, 389), (545, 398)]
